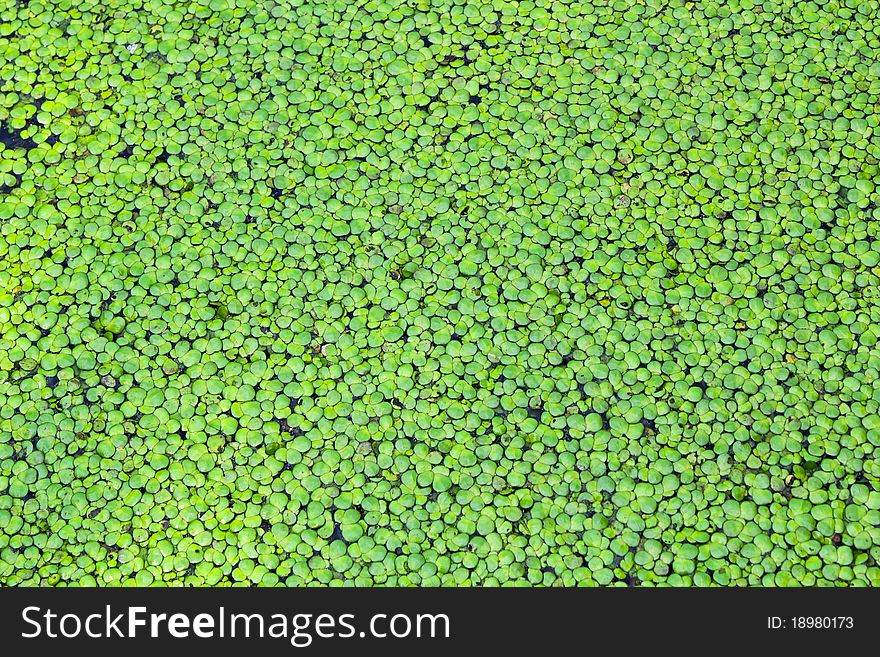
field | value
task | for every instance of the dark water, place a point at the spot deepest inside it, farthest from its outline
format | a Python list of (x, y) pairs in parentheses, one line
[(14, 140)]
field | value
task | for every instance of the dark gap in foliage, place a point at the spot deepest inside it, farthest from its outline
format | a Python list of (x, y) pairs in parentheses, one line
[(337, 534), (13, 140), (535, 413)]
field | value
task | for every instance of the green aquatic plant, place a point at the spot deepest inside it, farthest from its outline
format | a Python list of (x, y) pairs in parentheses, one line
[(484, 292)]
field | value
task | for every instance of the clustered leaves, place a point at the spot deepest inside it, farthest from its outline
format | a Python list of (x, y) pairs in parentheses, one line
[(432, 293)]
